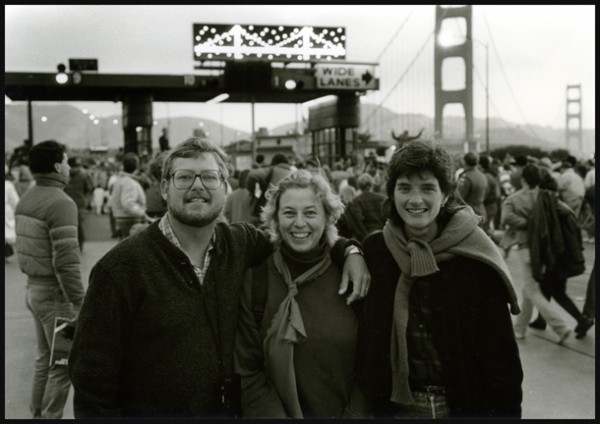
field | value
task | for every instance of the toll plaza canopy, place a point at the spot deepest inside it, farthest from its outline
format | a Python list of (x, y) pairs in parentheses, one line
[(239, 82)]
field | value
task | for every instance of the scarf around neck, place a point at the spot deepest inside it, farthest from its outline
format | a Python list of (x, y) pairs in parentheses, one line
[(286, 330), (416, 258)]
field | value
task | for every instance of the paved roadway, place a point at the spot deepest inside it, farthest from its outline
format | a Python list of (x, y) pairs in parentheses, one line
[(559, 380)]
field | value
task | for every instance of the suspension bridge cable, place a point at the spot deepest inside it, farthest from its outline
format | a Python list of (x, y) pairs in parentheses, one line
[(394, 36), (399, 80), (507, 81)]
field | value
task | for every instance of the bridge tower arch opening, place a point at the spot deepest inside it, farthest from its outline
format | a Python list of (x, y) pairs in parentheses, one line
[(462, 96)]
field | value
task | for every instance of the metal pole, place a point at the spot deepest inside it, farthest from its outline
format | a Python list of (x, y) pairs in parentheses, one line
[(487, 101), (253, 134), (29, 122)]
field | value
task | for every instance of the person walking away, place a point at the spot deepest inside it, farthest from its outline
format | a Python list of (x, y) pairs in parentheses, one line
[(297, 359), (492, 196), (436, 340), (364, 215), (128, 200), (155, 337), (520, 213), (11, 198), (238, 205), (472, 185), (48, 253), (569, 261), (80, 187)]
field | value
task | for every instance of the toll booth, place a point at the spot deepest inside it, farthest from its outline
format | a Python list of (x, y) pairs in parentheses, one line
[(333, 126)]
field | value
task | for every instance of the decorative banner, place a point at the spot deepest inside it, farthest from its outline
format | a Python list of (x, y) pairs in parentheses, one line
[(268, 42)]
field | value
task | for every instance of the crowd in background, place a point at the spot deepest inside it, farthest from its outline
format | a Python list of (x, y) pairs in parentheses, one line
[(92, 182), (536, 210)]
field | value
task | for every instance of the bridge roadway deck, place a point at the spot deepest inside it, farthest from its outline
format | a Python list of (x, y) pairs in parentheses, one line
[(559, 380)]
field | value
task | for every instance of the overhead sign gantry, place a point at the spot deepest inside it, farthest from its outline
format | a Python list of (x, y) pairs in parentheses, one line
[(233, 63)]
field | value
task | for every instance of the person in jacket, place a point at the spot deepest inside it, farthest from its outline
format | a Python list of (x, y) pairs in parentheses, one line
[(491, 201), (570, 185), (127, 198), (259, 180), (238, 205), (156, 205), (363, 215), (25, 180), (436, 339), (156, 331), (473, 186), (11, 198), (563, 257), (80, 188), (531, 244), (48, 253), (297, 360)]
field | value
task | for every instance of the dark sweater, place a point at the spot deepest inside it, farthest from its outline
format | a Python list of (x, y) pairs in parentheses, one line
[(323, 362), (146, 341), (472, 331)]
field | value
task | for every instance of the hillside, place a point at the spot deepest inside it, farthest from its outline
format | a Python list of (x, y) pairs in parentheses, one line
[(70, 126)]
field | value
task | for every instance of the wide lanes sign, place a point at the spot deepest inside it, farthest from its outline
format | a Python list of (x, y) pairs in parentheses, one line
[(345, 77)]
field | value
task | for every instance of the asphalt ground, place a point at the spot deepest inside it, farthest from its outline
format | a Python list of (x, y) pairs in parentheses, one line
[(559, 380)]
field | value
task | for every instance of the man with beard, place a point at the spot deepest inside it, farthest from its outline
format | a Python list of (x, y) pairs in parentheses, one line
[(156, 330)]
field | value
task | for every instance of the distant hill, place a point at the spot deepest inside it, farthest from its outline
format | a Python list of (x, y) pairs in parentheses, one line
[(381, 122), (70, 126)]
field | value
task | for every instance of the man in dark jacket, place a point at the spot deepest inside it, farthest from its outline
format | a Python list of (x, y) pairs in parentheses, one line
[(156, 330)]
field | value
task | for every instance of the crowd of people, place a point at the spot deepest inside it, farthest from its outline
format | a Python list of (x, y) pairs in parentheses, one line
[(292, 290)]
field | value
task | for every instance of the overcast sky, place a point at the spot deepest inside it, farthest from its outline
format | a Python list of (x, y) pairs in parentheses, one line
[(534, 52)]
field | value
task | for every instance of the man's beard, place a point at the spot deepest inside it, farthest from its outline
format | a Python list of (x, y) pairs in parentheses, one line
[(195, 219)]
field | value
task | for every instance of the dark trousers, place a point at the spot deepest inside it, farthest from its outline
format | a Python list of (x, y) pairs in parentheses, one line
[(589, 306), (556, 288)]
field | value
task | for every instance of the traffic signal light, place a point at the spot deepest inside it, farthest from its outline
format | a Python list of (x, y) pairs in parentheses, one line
[(61, 76)]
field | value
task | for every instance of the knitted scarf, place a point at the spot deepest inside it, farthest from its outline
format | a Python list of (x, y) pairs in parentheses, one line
[(286, 330), (416, 258)]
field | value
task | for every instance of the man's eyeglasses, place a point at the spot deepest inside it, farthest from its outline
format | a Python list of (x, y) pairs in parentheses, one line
[(184, 178)]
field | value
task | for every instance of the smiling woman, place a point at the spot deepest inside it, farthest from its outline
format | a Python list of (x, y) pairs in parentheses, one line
[(297, 360), (436, 339)]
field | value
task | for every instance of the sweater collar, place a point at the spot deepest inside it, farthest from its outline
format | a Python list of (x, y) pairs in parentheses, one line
[(51, 179)]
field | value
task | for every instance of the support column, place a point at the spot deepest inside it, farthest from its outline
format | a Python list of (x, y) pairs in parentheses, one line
[(137, 123)]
